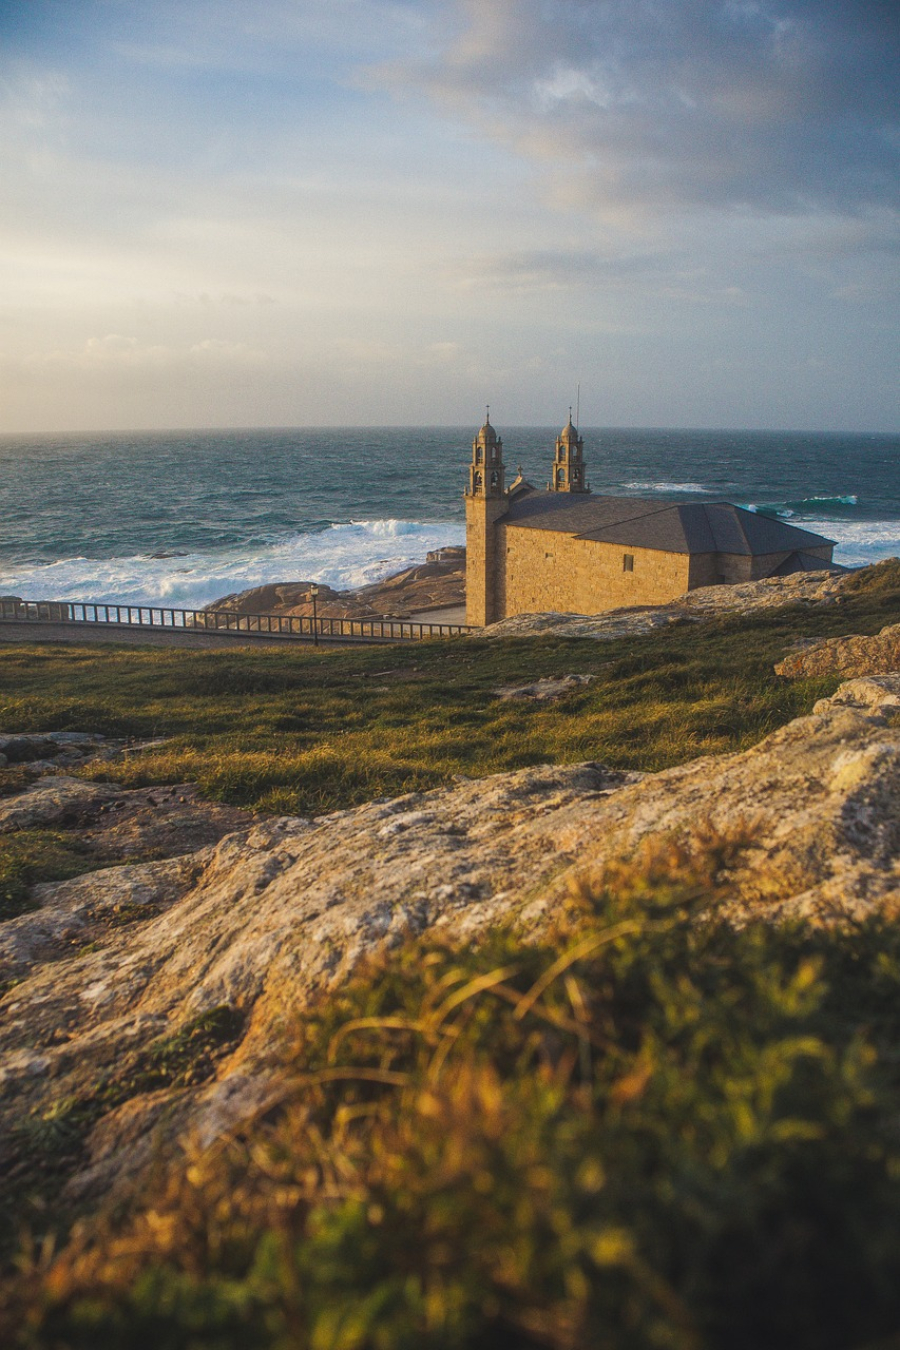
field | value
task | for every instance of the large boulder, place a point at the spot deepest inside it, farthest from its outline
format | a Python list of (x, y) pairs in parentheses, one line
[(852, 656)]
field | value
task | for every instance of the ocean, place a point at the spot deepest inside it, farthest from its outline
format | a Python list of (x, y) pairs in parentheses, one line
[(183, 518)]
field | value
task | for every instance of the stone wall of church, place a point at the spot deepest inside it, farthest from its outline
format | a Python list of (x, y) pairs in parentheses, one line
[(484, 580), (549, 571), (703, 570), (733, 568)]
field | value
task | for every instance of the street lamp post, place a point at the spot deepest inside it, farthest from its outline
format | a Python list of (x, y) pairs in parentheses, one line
[(314, 594)]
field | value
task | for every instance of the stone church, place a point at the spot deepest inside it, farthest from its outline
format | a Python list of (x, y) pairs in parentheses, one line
[(565, 549)]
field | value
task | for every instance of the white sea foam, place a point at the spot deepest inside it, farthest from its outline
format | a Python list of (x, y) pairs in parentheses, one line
[(342, 556), (859, 542), (666, 487)]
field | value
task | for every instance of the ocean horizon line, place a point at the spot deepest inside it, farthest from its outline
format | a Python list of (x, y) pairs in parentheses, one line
[(331, 427)]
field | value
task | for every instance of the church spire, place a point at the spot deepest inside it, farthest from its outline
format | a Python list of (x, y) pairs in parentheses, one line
[(568, 461), (486, 473)]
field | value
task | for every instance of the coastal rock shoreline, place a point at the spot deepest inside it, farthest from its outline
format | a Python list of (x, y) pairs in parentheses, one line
[(437, 583)]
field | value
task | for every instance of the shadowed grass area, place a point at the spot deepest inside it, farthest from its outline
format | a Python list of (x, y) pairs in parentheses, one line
[(306, 731), (648, 1130), (49, 1143), (30, 856)]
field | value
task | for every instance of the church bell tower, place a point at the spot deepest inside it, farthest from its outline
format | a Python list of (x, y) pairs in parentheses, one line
[(568, 461), (486, 502)]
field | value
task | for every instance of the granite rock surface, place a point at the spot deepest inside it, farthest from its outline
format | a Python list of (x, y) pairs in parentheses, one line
[(850, 656)]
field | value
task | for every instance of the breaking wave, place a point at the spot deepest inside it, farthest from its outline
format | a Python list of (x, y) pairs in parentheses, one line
[(859, 542), (343, 556), (806, 506), (665, 487)]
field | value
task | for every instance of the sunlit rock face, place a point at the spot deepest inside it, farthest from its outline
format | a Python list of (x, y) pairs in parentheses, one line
[(877, 655)]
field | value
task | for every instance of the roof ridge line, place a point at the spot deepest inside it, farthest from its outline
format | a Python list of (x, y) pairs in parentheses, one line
[(626, 520)]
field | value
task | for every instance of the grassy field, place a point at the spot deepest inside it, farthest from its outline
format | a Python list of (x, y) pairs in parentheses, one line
[(302, 731), (296, 730)]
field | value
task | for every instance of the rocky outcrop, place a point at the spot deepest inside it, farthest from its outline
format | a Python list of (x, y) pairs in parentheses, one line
[(111, 965), (113, 824), (61, 749), (802, 588), (852, 656), (438, 583)]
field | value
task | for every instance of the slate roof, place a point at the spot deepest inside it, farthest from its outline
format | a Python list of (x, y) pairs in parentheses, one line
[(672, 527)]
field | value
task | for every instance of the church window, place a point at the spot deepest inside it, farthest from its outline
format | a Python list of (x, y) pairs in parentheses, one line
[(628, 562), (560, 477), (494, 479), (478, 455), (478, 481)]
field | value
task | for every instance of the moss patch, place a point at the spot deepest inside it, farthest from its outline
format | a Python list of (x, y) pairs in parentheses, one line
[(30, 856)]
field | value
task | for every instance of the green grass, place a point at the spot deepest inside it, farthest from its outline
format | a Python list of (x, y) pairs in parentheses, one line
[(30, 856), (302, 731)]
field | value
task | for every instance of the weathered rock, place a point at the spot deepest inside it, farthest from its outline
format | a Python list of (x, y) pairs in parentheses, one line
[(545, 690), (277, 914), (116, 825), (878, 655), (72, 914), (53, 799), (438, 583), (40, 753), (44, 745)]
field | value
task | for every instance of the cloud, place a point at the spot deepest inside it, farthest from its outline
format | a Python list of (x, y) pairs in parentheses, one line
[(773, 106), (118, 352)]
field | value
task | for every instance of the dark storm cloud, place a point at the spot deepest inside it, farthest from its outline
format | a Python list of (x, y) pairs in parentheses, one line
[(774, 105)]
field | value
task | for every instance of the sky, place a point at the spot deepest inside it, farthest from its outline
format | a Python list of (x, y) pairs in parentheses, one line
[(392, 212)]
